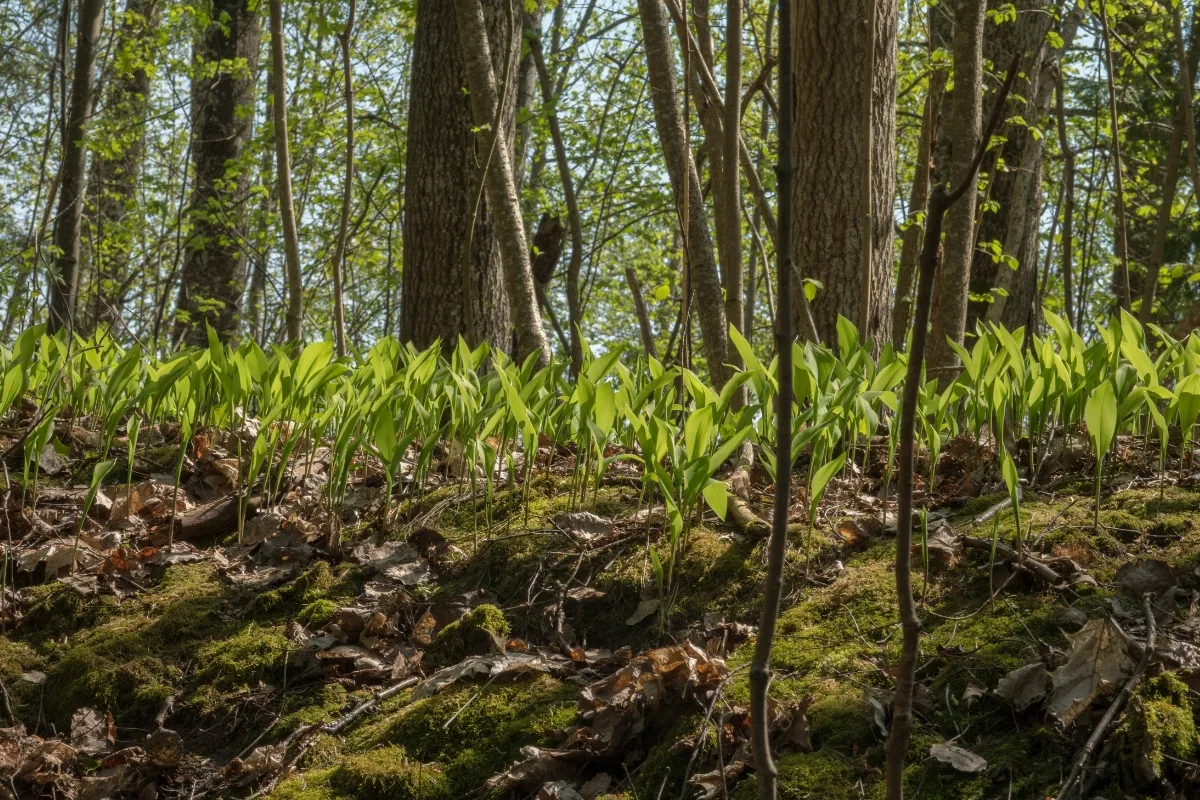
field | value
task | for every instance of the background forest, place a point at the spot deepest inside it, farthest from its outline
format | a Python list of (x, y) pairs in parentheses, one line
[(152, 124)]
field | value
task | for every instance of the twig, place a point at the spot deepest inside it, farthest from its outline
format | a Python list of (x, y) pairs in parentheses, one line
[(1038, 569), (1110, 716), (395, 689)]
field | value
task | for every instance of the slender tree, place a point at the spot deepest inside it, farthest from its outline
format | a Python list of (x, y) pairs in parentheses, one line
[(956, 145), (339, 253), (283, 174), (64, 281), (495, 149), (685, 181), (117, 168), (214, 266)]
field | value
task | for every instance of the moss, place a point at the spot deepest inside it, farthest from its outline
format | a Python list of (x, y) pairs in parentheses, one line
[(821, 774), (132, 689), (253, 654), (312, 707), (492, 725), (661, 774), (474, 634), (311, 785), (841, 720), (1161, 725), (388, 774), (316, 612)]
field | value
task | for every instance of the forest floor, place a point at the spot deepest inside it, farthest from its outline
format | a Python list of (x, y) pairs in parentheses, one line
[(524, 647)]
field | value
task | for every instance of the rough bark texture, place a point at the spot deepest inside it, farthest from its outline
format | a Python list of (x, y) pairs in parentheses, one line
[(1017, 188), (960, 137), (117, 170), (829, 143), (64, 282), (496, 151), (941, 29), (214, 267), (452, 282), (668, 119), (283, 173)]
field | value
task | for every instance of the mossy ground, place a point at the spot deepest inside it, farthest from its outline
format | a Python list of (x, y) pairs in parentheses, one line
[(224, 653)]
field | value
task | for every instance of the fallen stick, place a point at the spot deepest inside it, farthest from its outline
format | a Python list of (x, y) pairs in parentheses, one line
[(1041, 571), (383, 694), (1110, 716)]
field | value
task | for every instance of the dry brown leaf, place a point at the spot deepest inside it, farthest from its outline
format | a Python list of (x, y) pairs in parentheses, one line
[(1098, 662)]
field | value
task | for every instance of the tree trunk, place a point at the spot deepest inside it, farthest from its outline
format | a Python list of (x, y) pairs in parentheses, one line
[(283, 174), (1120, 231), (831, 42), (64, 282), (731, 250), (574, 222), (116, 171), (959, 140), (940, 27), (704, 278), (214, 267), (451, 281), (339, 252), (496, 156), (1171, 169), (1068, 211)]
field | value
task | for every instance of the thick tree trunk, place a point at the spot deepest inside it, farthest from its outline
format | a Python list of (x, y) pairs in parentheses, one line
[(705, 280), (117, 170), (64, 282), (958, 142), (501, 186), (214, 267), (941, 30), (452, 280), (830, 145), (283, 173)]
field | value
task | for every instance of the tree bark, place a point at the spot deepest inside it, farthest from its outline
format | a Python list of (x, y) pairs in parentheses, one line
[(117, 171), (1068, 212), (214, 267), (283, 174), (339, 252), (1120, 232), (830, 143), (498, 179), (959, 140), (64, 281), (732, 277), (940, 27), (685, 181), (452, 281)]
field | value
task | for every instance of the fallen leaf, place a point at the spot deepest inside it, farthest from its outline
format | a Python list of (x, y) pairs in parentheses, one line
[(1025, 685), (644, 609), (1147, 575), (960, 758), (583, 524), (92, 732), (596, 785), (1097, 663)]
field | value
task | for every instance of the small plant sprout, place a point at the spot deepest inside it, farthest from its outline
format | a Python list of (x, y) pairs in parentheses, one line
[(1100, 414), (816, 488), (99, 472)]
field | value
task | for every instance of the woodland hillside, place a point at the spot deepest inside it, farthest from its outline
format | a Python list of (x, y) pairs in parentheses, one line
[(597, 399)]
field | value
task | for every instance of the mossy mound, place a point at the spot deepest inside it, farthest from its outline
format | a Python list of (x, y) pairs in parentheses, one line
[(388, 774), (483, 630), (821, 774)]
